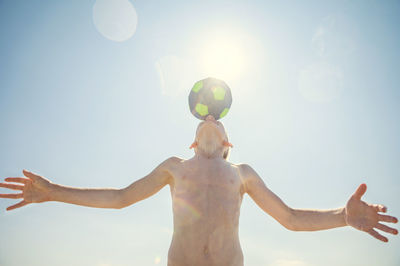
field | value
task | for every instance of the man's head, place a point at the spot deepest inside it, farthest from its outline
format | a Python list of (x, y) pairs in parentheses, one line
[(211, 139)]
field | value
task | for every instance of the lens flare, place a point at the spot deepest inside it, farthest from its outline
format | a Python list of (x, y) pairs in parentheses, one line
[(116, 20)]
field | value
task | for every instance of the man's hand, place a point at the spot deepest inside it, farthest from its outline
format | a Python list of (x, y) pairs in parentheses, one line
[(34, 189), (365, 217)]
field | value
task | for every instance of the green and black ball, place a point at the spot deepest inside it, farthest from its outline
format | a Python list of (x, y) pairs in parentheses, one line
[(210, 96)]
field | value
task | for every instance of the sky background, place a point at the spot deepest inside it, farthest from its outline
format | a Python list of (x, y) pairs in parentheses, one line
[(94, 94)]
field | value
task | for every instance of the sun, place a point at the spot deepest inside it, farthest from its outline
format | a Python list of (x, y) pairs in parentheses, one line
[(222, 55)]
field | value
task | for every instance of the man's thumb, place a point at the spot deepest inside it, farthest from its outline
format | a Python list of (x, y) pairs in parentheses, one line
[(360, 191), (29, 174)]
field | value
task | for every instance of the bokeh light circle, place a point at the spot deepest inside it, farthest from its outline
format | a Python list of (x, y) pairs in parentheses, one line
[(116, 20)]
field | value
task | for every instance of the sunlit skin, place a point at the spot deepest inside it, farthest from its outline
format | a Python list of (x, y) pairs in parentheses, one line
[(207, 193)]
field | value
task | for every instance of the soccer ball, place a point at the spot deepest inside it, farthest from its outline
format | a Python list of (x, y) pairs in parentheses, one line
[(210, 96)]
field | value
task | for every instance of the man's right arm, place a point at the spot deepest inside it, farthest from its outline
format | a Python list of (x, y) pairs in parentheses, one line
[(89, 197), (152, 183), (118, 198), (36, 189)]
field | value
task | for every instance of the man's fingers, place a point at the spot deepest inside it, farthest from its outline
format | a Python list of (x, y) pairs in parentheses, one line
[(18, 205), (17, 180), (378, 236), (12, 196), (386, 228), (379, 207), (387, 218), (12, 186), (360, 191)]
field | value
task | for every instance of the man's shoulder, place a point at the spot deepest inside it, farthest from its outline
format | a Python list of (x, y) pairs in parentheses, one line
[(244, 168), (172, 162), (174, 159), (249, 177), (247, 172)]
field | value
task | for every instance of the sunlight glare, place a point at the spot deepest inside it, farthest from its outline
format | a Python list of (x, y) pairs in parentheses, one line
[(222, 55), (157, 260)]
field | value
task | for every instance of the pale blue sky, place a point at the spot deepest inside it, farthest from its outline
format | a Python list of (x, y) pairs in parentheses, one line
[(315, 112)]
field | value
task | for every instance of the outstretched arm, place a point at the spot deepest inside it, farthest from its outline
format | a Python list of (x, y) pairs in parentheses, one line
[(268, 201), (36, 189), (356, 213), (315, 220), (292, 219)]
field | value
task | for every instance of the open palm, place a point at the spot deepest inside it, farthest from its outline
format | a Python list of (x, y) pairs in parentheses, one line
[(33, 189), (365, 217)]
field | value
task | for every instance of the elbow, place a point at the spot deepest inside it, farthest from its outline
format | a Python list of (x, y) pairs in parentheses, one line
[(296, 222), (118, 206), (290, 221), (120, 201), (123, 199), (290, 227)]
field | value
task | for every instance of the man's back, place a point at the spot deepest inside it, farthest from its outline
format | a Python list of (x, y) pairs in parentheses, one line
[(206, 198)]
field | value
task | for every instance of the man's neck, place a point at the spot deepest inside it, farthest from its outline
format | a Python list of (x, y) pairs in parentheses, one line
[(218, 154)]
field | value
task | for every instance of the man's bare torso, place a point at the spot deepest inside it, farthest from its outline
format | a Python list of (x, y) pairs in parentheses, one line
[(206, 197)]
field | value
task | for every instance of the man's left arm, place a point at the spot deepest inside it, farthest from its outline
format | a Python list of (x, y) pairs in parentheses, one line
[(357, 213), (314, 220)]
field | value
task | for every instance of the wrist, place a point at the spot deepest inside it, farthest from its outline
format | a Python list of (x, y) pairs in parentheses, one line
[(343, 215), (52, 192)]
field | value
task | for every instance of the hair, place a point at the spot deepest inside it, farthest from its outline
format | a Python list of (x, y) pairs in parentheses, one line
[(228, 150), (226, 153)]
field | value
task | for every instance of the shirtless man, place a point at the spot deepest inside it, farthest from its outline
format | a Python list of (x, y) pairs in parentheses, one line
[(214, 187)]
